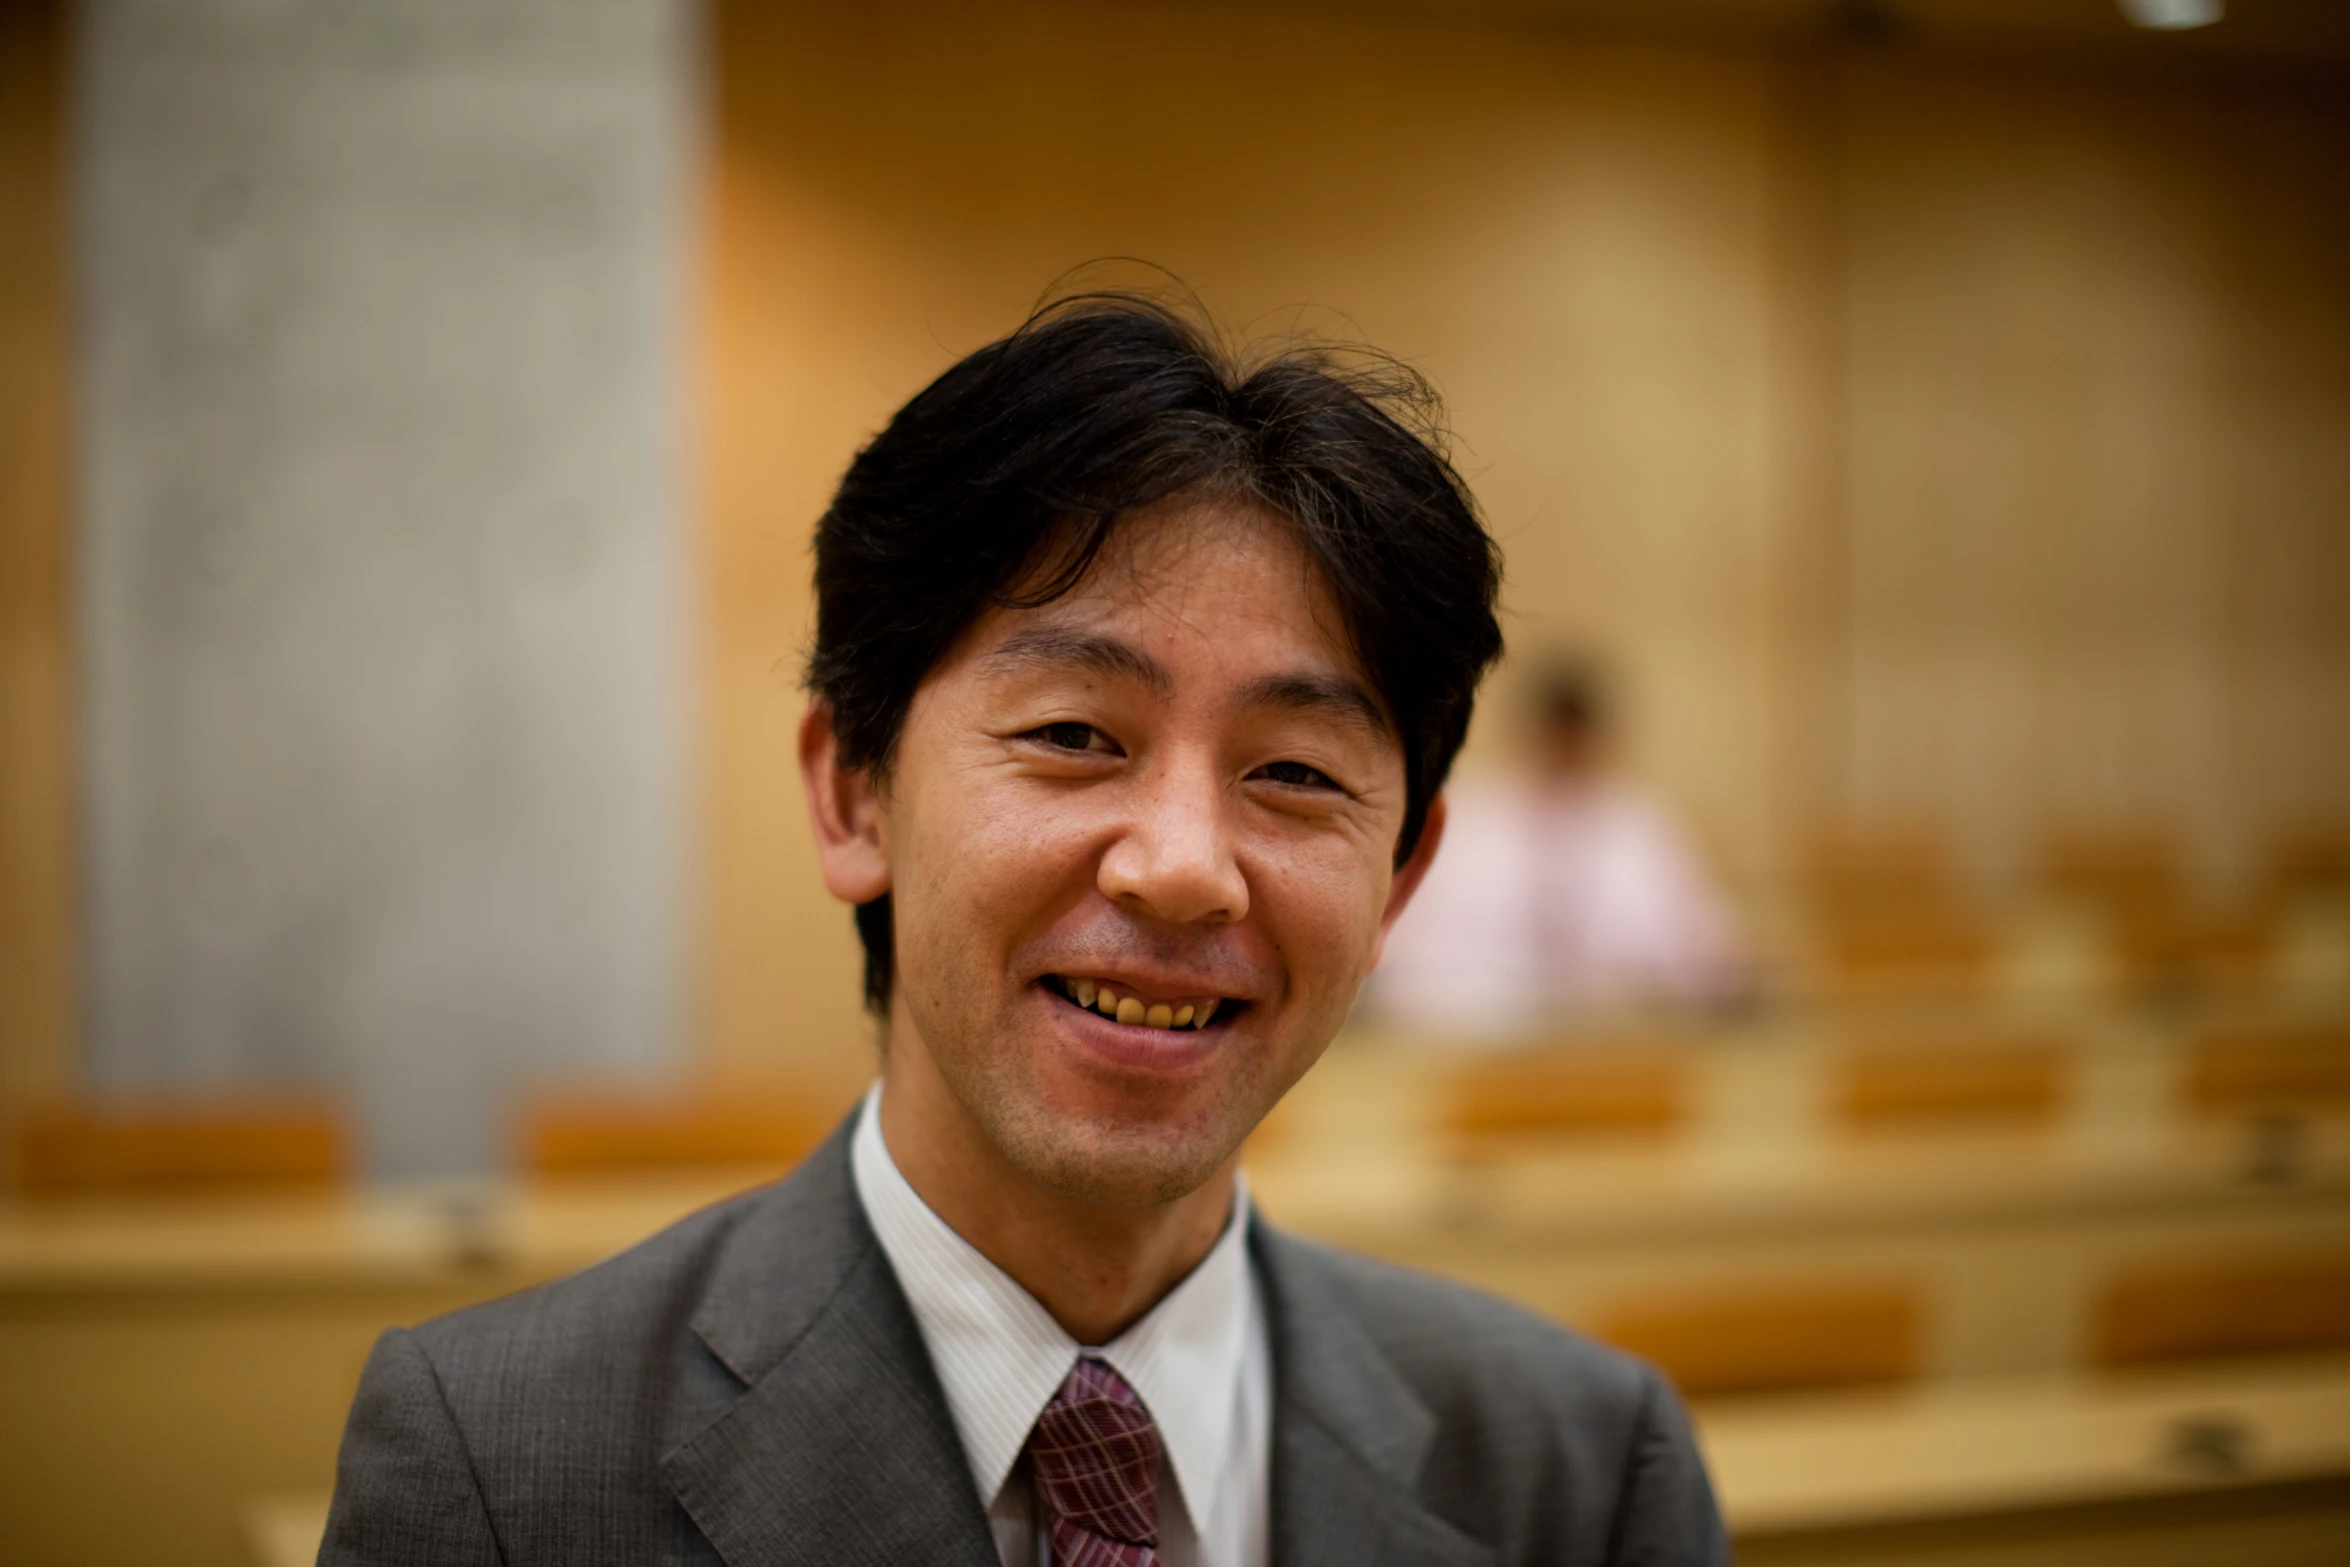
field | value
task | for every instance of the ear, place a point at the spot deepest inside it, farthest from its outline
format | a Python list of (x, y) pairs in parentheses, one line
[(1409, 874), (845, 808)]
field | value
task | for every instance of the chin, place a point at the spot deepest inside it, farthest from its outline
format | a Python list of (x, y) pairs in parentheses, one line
[(1129, 1166)]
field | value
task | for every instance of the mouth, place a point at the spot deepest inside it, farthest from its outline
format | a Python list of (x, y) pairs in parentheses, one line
[(1122, 1003)]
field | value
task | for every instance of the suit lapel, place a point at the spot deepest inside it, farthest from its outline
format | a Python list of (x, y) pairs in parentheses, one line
[(1349, 1435), (841, 1448)]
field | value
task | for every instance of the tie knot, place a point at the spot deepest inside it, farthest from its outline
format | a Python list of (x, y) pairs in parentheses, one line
[(1095, 1458)]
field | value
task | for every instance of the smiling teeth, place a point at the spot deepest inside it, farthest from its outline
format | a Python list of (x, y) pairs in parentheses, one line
[(1134, 1010)]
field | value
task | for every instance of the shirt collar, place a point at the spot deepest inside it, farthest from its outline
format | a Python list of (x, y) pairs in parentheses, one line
[(1000, 1356)]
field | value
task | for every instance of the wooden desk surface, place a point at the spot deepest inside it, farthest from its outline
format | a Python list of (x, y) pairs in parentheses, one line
[(481, 1235), (2013, 1443), (1596, 1196), (285, 1530), (1377, 1200), (1355, 1156)]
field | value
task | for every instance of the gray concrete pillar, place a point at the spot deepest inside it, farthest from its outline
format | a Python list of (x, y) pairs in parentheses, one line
[(382, 550)]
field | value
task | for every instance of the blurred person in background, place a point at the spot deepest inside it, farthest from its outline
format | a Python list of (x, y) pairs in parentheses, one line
[(1137, 674), (1564, 893)]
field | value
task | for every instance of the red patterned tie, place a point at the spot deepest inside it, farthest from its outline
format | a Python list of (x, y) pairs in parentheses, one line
[(1095, 1458)]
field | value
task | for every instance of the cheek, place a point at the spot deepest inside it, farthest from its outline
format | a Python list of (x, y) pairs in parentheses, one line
[(1323, 910), (972, 864)]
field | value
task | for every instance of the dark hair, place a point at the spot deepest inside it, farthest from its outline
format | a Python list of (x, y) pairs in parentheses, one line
[(1569, 693), (1000, 482)]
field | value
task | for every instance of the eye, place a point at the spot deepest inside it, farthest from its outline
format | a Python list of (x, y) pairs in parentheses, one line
[(1297, 775), (1071, 736)]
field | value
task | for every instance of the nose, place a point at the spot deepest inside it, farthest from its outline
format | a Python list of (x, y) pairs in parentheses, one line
[(1174, 860)]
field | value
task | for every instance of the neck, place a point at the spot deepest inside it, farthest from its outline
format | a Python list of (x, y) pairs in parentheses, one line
[(1096, 1267)]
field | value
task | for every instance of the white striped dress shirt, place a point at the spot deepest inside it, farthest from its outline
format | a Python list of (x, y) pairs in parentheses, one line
[(1201, 1359)]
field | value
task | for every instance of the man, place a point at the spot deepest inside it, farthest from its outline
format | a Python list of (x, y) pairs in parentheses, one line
[(1564, 894), (1136, 676)]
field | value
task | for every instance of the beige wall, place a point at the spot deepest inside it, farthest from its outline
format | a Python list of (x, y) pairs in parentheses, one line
[(1964, 440), (1582, 245), (2099, 456), (1924, 437)]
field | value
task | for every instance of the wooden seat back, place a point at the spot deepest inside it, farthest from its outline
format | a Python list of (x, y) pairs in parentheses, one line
[(2225, 1307), (2167, 945), (2312, 860), (2287, 1068), (2123, 871), (1775, 1336), (1993, 1082), (612, 1133), (165, 1146), (1860, 867), (1565, 1092), (1889, 917), (1912, 951)]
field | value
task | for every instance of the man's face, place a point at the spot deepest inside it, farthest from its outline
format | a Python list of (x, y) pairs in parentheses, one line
[(1172, 785)]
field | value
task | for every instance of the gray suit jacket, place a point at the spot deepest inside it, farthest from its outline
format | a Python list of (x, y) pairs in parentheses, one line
[(749, 1387)]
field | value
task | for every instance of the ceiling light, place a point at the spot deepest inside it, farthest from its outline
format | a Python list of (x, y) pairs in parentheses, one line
[(2172, 16)]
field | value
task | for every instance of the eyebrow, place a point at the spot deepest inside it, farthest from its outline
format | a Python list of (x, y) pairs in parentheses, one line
[(1332, 695), (1046, 647)]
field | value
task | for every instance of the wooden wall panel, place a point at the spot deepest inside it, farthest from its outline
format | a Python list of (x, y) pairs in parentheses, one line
[(2098, 391), (1588, 246), (36, 774), (1946, 439)]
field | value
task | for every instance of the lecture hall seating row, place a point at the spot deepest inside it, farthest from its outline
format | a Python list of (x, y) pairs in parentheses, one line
[(1888, 915), (205, 1145), (185, 1357)]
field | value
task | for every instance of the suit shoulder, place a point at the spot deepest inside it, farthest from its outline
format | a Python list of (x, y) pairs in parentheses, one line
[(1543, 1444), (1462, 1348), (561, 1403), (631, 1309)]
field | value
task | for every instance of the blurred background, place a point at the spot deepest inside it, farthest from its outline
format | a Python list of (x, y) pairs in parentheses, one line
[(1913, 1001)]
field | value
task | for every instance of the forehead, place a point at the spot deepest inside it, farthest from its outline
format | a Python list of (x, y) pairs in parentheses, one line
[(1219, 584)]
